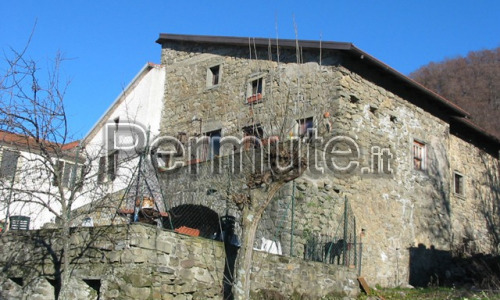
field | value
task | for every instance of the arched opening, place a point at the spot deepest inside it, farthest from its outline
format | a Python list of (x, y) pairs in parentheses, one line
[(194, 216)]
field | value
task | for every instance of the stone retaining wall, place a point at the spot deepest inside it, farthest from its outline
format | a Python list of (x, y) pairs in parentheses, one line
[(143, 262)]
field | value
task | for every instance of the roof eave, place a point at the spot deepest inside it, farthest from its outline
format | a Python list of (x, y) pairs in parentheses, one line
[(245, 41)]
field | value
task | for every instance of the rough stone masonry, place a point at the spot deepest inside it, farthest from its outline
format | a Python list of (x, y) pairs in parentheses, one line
[(443, 182)]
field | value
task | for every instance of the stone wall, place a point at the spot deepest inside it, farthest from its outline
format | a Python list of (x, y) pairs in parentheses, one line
[(290, 276), (143, 262), (224, 106), (475, 210), (406, 207), (121, 262)]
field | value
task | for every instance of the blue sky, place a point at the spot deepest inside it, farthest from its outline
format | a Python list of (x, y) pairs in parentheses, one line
[(107, 42)]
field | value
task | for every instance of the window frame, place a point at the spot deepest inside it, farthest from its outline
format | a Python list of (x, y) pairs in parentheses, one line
[(256, 131), (255, 90), (163, 159), (12, 169), (101, 170), (460, 182), (112, 165), (67, 173), (213, 79), (302, 129), (419, 155), (211, 144), (108, 167)]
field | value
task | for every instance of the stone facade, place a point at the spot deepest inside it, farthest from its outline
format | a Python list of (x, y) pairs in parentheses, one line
[(355, 97), (143, 262)]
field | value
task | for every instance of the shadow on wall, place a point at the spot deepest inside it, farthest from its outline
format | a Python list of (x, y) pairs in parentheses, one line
[(432, 267), (428, 266)]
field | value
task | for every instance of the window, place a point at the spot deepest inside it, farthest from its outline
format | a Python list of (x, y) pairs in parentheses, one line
[(210, 147), (213, 76), (419, 155), (101, 169), (214, 147), (255, 91), (252, 136), (458, 184), (304, 128), (163, 160), (8, 165), (108, 166), (68, 174), (112, 165)]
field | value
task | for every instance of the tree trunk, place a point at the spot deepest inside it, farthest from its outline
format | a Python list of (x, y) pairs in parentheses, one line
[(250, 222), (251, 216), (64, 272)]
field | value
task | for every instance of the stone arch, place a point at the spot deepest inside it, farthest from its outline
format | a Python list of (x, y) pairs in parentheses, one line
[(194, 216)]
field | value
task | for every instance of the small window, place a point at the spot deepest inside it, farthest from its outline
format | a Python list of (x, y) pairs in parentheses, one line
[(209, 147), (213, 76), (419, 155), (101, 173), (66, 173), (255, 90), (9, 164), (252, 136), (458, 184), (88, 222), (69, 176), (163, 160), (108, 166), (214, 147), (58, 172), (304, 127), (112, 165)]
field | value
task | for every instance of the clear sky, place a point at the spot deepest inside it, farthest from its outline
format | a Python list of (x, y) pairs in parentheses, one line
[(109, 41)]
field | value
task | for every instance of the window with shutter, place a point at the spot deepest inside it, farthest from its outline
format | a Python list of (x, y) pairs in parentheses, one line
[(9, 164)]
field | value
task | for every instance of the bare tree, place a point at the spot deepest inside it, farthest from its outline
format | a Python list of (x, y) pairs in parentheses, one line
[(48, 173)]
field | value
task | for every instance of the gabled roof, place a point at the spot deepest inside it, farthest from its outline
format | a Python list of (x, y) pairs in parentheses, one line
[(452, 111)]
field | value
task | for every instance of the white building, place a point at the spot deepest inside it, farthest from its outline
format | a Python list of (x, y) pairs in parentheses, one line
[(139, 108), (27, 187)]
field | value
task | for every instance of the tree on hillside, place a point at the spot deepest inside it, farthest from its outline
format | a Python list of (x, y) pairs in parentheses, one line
[(472, 82)]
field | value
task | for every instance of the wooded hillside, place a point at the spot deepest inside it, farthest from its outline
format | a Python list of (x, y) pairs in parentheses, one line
[(472, 82)]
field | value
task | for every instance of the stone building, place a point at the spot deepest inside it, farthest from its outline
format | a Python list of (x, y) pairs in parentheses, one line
[(416, 171)]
